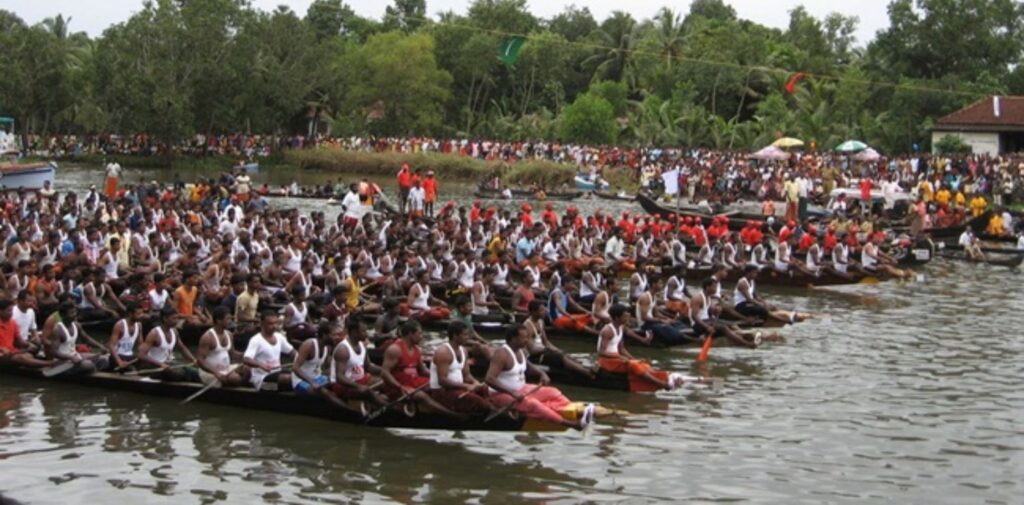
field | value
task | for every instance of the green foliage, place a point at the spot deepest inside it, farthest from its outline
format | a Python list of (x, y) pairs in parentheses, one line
[(588, 120), (951, 144), (615, 93)]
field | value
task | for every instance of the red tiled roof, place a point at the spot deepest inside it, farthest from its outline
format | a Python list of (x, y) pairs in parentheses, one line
[(982, 113)]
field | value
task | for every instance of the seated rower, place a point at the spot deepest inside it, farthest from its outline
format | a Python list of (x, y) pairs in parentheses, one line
[(706, 326), (385, 328), (297, 326), (613, 357), (841, 256), (706, 254), (873, 260), (307, 369), (506, 377), (542, 351), (564, 313), (451, 383), (749, 303), (604, 301), (483, 300), (675, 294), (263, 354), (973, 250), (157, 350), (655, 321), (98, 299), (638, 282), (463, 313), (349, 367), (403, 370), (216, 352), (523, 294), (185, 297), (354, 287), (420, 299), (23, 313), (61, 339), (730, 254), (10, 353), (591, 282), (125, 336)]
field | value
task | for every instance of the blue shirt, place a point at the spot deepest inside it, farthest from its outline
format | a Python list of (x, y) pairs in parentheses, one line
[(523, 249)]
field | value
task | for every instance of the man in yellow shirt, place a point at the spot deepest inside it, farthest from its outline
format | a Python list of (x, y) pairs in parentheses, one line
[(925, 189), (960, 200), (943, 196), (978, 205), (995, 225)]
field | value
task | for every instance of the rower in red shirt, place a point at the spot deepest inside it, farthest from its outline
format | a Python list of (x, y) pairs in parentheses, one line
[(830, 239), (787, 231), (549, 216), (525, 217), (403, 370), (807, 239), (699, 234), (474, 212)]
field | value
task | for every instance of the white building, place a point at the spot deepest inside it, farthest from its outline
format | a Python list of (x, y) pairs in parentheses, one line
[(992, 126)]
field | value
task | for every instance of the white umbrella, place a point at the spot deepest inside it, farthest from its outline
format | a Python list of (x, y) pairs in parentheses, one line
[(851, 146), (868, 154), (770, 153)]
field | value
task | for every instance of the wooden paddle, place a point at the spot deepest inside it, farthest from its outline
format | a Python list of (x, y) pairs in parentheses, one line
[(508, 407), (216, 382), (152, 371), (375, 414)]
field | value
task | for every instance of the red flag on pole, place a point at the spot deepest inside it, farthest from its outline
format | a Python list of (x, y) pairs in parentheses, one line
[(792, 82)]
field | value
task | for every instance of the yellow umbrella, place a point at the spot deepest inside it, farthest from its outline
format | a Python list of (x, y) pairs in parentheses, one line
[(787, 142)]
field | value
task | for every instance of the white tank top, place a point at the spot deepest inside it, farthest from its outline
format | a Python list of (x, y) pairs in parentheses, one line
[(468, 273), (162, 353), (641, 318), (313, 365), (110, 268), (535, 273), (298, 316), (513, 379), (126, 346), (69, 346), (737, 295), (677, 294), (840, 253), (480, 302), (782, 253), (294, 263), (354, 370), (866, 259), (678, 253), (422, 301), (595, 280), (454, 370), (501, 279), (219, 358), (613, 345), (812, 262), (641, 286), (703, 315)]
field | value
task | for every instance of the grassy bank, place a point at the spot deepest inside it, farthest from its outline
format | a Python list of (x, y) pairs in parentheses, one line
[(381, 165)]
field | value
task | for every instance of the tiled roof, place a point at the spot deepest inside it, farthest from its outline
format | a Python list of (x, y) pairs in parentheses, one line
[(982, 113)]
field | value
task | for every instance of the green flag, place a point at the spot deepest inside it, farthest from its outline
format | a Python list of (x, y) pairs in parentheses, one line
[(509, 49)]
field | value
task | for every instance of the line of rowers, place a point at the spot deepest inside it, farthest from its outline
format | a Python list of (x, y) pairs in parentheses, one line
[(196, 261)]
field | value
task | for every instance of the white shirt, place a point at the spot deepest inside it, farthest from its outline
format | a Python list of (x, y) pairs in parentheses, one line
[(613, 249), (416, 198), (263, 352), (26, 322)]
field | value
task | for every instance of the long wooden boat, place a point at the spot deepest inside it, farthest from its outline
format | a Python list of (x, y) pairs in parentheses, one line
[(306, 405), (794, 278), (737, 220), (560, 197), (1007, 260), (604, 195)]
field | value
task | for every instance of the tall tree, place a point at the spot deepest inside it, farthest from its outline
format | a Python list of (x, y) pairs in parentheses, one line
[(407, 15)]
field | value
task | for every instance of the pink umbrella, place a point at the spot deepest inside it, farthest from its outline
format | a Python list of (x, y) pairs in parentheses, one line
[(868, 154), (770, 153)]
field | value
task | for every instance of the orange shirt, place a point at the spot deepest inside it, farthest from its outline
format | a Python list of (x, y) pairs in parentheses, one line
[(430, 188), (8, 332), (187, 300)]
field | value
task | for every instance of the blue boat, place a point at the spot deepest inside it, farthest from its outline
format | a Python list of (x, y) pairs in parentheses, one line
[(13, 173), (585, 184)]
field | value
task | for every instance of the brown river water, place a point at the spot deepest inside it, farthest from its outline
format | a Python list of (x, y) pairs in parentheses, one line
[(903, 392)]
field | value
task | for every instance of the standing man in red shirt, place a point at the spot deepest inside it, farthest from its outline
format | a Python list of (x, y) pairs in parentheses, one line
[(865, 196), (404, 185)]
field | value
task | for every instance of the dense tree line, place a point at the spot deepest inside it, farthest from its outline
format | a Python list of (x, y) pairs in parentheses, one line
[(701, 78)]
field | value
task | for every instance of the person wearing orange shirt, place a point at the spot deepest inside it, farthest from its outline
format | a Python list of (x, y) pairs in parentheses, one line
[(549, 216), (404, 185), (525, 217), (430, 188)]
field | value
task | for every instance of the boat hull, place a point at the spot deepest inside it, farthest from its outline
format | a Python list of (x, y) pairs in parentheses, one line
[(27, 176), (583, 184)]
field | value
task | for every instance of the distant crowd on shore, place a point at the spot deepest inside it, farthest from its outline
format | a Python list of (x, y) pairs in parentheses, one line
[(702, 174)]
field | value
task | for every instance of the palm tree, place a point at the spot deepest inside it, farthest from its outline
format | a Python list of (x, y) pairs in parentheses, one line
[(615, 38), (669, 36)]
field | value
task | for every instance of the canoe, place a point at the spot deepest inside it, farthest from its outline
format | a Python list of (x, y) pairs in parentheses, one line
[(302, 196), (290, 403), (584, 184), (952, 233), (794, 278), (251, 168), (612, 196), (737, 220), (1008, 261)]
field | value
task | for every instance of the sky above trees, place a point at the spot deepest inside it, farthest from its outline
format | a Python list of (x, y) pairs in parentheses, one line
[(93, 16)]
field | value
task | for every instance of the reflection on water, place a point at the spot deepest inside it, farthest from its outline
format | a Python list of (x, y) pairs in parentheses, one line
[(901, 392)]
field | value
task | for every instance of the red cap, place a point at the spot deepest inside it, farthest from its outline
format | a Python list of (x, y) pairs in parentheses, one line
[(792, 224), (526, 206)]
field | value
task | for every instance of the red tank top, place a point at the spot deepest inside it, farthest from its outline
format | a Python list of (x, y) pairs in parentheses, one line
[(407, 369)]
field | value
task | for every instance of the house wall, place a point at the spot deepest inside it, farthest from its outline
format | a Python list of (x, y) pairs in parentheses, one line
[(980, 142)]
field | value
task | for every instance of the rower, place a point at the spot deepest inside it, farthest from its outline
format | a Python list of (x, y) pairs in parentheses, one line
[(506, 377), (638, 282), (591, 282), (451, 382), (523, 294), (654, 321), (873, 260), (420, 299), (675, 294), (841, 256), (24, 315), (296, 318), (125, 335), (185, 298), (385, 328), (464, 313), (564, 313), (483, 301), (702, 322), (973, 250), (307, 370), (216, 352), (349, 367), (263, 354), (403, 370), (613, 357), (749, 303), (542, 351), (10, 353), (603, 301), (157, 350), (61, 339)]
